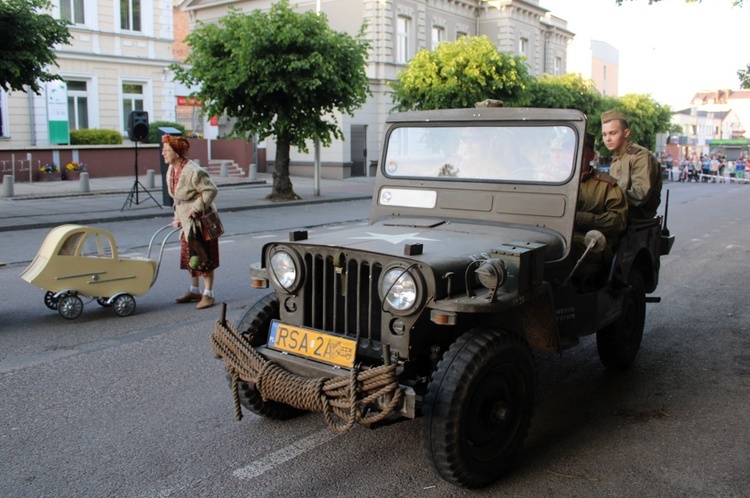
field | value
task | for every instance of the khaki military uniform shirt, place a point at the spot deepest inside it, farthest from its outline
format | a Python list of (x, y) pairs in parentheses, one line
[(639, 176), (601, 206)]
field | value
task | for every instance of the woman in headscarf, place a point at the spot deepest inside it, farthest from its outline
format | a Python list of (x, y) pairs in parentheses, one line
[(193, 191)]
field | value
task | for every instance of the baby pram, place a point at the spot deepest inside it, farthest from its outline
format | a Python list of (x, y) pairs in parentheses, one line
[(77, 261)]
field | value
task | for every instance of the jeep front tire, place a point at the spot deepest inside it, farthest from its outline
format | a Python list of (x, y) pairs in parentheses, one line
[(254, 327), (478, 407)]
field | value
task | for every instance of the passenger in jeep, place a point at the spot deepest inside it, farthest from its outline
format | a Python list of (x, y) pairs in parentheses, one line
[(601, 206), (637, 171), (559, 159), (476, 157)]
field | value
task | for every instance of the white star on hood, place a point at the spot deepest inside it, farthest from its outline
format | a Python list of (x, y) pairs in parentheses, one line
[(393, 239)]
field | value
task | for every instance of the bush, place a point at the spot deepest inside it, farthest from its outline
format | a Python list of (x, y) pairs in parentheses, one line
[(153, 130), (95, 137)]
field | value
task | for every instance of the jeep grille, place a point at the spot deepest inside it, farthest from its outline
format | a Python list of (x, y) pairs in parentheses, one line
[(341, 296)]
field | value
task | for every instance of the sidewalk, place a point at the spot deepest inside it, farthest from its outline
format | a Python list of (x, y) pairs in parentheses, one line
[(49, 204)]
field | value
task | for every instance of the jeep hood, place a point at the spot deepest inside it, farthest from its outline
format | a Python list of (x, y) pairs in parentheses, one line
[(441, 240)]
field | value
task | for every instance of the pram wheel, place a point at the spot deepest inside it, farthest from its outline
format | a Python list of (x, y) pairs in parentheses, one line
[(70, 307), (124, 305), (102, 301), (50, 300)]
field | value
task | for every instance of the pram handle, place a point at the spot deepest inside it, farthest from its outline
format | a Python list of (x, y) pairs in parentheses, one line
[(161, 250)]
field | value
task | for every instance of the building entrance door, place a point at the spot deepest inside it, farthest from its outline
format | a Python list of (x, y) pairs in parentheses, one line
[(359, 150)]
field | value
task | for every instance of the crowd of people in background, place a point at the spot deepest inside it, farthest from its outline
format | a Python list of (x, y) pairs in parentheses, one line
[(704, 168)]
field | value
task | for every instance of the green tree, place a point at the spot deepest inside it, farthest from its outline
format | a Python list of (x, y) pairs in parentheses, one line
[(744, 75), (568, 91), (153, 130), (459, 74), (675, 129), (27, 44), (646, 118), (280, 73)]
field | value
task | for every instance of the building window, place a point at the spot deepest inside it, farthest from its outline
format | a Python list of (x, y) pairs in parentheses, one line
[(78, 105), (459, 34), (403, 25), (130, 14), (558, 66), (72, 11), (132, 100), (438, 35), (523, 46)]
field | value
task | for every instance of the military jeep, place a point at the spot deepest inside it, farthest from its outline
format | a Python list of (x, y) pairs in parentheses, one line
[(433, 309)]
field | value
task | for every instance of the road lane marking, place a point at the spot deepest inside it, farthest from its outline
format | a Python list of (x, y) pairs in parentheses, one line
[(279, 457)]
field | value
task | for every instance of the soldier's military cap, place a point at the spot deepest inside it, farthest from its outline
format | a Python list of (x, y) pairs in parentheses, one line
[(613, 114), (490, 103)]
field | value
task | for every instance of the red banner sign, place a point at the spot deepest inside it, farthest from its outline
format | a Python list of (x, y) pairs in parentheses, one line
[(188, 101)]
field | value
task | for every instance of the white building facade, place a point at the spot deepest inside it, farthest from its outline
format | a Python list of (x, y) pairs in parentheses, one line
[(737, 122), (397, 29), (714, 118), (116, 63)]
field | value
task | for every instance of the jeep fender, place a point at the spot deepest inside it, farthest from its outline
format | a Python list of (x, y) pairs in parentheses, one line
[(530, 315), (535, 321)]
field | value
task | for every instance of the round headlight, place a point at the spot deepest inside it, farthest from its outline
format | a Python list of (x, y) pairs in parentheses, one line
[(283, 269), (399, 288), (492, 273)]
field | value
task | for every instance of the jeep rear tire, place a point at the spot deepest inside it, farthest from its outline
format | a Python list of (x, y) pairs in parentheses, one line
[(618, 343), (254, 326), (478, 407)]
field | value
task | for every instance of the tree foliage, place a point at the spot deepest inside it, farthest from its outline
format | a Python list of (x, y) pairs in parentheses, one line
[(27, 44), (153, 130), (280, 73), (568, 91), (458, 74), (744, 76), (470, 70)]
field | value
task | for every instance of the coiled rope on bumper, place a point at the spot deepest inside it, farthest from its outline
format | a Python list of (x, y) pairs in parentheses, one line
[(343, 400)]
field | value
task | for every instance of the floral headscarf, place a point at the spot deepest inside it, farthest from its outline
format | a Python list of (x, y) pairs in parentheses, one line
[(179, 144)]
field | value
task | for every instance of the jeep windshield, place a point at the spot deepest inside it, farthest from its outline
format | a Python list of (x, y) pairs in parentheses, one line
[(497, 152)]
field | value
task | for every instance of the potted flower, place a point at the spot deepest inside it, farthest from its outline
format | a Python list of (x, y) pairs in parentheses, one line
[(73, 170), (49, 172)]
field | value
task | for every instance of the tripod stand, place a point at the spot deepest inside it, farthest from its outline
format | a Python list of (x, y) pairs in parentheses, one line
[(129, 201)]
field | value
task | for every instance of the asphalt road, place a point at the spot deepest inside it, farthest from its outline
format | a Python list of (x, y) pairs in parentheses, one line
[(137, 406)]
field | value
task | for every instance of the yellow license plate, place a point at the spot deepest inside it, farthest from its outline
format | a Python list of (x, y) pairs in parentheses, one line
[(328, 348)]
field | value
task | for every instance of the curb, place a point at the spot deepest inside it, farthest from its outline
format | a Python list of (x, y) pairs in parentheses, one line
[(33, 197), (168, 213)]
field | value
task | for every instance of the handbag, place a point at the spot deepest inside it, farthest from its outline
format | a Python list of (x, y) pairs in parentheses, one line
[(211, 225), (199, 258)]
